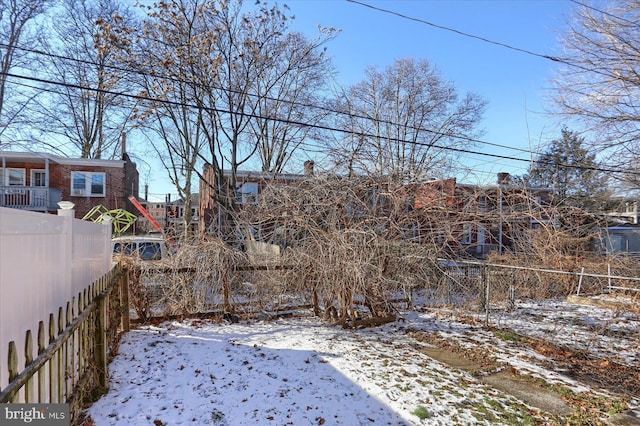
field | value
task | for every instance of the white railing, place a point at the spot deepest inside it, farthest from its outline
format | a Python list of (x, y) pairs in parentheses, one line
[(25, 197), (45, 262)]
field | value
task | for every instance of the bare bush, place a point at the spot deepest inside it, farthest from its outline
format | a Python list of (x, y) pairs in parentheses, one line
[(347, 244), (352, 249), (198, 277)]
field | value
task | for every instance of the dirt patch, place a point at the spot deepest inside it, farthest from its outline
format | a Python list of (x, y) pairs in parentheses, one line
[(520, 387), (624, 304), (598, 373)]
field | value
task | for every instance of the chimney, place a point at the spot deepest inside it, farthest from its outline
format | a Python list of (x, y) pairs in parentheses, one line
[(308, 168), (124, 144), (504, 178), (146, 191)]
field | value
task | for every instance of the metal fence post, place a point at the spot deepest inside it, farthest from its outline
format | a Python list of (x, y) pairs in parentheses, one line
[(580, 282), (511, 303), (487, 295)]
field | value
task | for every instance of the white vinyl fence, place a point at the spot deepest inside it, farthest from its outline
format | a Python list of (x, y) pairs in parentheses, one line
[(45, 262)]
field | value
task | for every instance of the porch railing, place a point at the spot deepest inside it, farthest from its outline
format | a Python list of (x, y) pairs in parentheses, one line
[(29, 197)]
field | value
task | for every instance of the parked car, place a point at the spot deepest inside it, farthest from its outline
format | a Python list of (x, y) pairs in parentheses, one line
[(147, 247)]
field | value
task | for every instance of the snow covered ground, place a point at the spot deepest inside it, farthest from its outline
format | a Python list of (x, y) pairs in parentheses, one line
[(303, 371)]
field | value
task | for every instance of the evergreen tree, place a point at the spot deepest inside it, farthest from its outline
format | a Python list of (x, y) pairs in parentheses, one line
[(571, 170)]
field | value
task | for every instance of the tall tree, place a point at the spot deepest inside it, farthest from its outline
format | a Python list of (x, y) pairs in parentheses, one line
[(404, 118), (165, 56), (570, 169), (16, 33), (217, 75), (86, 113), (286, 93), (212, 70), (600, 86)]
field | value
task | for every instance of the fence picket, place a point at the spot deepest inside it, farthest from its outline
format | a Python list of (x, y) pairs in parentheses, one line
[(13, 365), (53, 362), (41, 372), (28, 353), (60, 367)]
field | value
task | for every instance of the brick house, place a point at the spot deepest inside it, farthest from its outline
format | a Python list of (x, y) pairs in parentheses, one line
[(249, 185), (476, 219), (464, 219), (38, 181)]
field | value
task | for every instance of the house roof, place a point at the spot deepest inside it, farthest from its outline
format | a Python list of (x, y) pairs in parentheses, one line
[(38, 157)]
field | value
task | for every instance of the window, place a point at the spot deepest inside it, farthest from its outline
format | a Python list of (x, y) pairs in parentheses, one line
[(247, 192), (88, 184), (13, 177), (123, 248), (631, 207), (149, 251), (482, 204), (467, 230), (38, 177)]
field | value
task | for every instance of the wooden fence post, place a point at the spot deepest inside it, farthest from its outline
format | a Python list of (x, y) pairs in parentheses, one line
[(102, 317), (125, 322), (28, 356), (13, 366), (580, 281)]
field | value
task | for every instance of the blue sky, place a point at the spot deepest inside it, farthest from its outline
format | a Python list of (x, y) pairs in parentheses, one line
[(515, 84)]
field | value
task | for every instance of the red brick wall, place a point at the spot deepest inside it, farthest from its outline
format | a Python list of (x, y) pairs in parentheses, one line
[(116, 195), (60, 178)]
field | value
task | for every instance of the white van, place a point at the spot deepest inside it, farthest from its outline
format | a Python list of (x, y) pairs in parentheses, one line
[(147, 247)]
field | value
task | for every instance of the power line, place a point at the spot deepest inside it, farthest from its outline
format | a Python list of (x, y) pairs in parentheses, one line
[(315, 126), (555, 59), (302, 104), (604, 12), (453, 30)]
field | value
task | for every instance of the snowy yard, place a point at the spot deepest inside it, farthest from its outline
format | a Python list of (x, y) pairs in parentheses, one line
[(304, 371)]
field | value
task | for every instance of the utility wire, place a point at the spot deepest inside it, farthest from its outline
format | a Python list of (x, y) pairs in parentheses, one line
[(352, 115), (604, 12), (462, 33), (555, 59), (315, 126), (296, 103)]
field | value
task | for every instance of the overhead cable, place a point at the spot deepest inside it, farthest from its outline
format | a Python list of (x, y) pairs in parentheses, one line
[(297, 123)]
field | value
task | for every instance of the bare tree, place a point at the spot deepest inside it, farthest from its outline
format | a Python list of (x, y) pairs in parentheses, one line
[(600, 85), (16, 31), (217, 76), (86, 112), (239, 83), (286, 95), (403, 118)]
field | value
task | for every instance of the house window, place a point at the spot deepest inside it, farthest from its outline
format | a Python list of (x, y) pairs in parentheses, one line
[(467, 229), (38, 177), (482, 204), (12, 177), (88, 184), (247, 192)]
